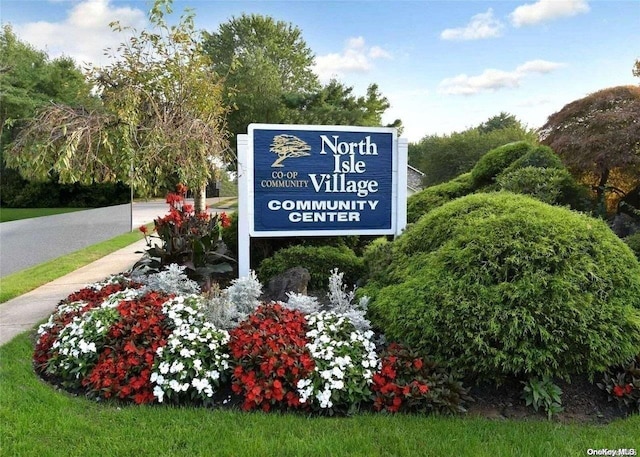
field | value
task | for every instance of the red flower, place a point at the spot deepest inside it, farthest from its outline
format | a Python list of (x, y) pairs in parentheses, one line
[(174, 199), (270, 351), (187, 208), (225, 221), (628, 388), (182, 189), (123, 369), (143, 229), (401, 382), (93, 299), (618, 391)]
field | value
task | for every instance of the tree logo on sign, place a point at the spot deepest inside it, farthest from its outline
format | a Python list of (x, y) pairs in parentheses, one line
[(286, 146)]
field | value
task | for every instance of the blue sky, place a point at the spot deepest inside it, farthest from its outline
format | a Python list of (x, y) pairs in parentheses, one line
[(444, 65)]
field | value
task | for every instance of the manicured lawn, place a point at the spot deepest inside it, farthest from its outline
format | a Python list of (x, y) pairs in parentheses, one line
[(14, 214), (23, 281), (37, 420)]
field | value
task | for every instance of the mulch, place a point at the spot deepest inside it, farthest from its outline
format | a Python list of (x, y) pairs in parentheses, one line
[(582, 400)]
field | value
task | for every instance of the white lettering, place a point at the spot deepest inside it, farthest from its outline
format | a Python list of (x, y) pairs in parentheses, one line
[(324, 217), (338, 183), (322, 205), (364, 147)]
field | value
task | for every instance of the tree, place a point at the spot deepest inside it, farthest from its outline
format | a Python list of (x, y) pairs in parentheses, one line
[(636, 68), (162, 115), (501, 121), (335, 104), (30, 80), (598, 138), (262, 59), (442, 158)]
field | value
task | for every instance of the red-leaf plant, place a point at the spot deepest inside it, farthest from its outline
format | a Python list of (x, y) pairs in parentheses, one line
[(123, 369), (74, 305), (269, 350), (408, 381)]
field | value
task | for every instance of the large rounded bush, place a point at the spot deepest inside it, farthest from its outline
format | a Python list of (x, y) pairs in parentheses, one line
[(502, 285), (319, 260), (540, 156), (497, 160), (545, 184), (634, 243), (432, 197)]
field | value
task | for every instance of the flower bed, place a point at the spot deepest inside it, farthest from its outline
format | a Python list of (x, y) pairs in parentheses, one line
[(134, 341)]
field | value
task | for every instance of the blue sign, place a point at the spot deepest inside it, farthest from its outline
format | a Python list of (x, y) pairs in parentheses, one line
[(319, 179)]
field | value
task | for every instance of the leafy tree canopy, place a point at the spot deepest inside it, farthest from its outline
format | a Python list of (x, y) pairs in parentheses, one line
[(262, 59), (501, 121), (29, 80), (598, 138), (162, 115), (443, 157), (270, 78), (335, 103)]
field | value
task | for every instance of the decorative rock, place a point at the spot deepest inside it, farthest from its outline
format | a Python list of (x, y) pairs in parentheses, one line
[(293, 280)]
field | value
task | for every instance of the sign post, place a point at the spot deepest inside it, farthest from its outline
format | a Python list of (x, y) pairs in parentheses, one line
[(314, 180)]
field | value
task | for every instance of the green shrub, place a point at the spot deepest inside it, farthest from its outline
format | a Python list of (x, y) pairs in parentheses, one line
[(319, 260), (555, 186), (634, 243), (432, 197), (501, 285), (545, 184), (16, 192), (377, 258), (263, 248), (495, 161), (540, 156)]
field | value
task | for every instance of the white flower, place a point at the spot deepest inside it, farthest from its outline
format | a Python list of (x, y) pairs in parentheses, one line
[(326, 374), (158, 393), (325, 399), (337, 372), (176, 367), (164, 368)]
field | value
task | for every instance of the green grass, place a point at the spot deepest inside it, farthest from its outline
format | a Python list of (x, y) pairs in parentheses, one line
[(231, 202), (15, 214), (26, 280), (36, 419)]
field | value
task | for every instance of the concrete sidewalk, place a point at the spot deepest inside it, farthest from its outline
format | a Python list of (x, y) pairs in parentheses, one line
[(24, 312)]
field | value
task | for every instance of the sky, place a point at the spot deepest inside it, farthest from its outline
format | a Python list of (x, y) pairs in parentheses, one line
[(444, 66)]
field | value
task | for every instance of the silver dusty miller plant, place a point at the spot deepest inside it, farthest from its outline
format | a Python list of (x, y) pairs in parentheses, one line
[(226, 308), (172, 280), (303, 303), (341, 301)]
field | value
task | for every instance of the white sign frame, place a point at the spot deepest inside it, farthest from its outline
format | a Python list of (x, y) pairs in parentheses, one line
[(246, 191)]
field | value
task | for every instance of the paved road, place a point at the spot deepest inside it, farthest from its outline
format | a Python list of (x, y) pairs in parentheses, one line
[(29, 242)]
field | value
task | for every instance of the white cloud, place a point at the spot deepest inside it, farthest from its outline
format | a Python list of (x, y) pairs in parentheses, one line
[(376, 52), (481, 26), (491, 80), (356, 57), (85, 33), (547, 10)]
